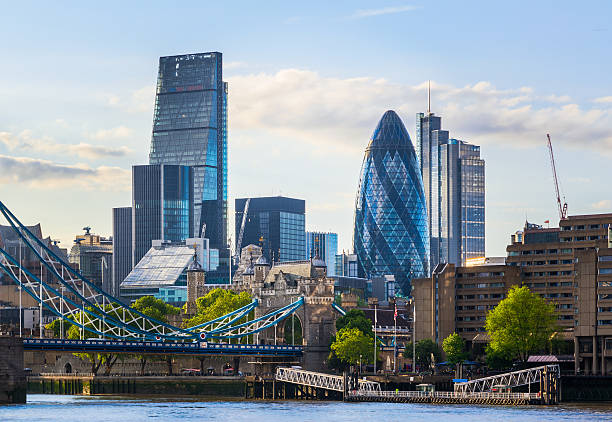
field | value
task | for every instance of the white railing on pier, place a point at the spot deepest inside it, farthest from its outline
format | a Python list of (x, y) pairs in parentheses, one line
[(443, 394)]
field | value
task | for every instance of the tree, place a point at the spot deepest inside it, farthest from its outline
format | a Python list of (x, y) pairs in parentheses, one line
[(217, 303), (352, 346), (497, 359), (454, 348), (355, 318), (521, 324), (424, 350), (160, 310)]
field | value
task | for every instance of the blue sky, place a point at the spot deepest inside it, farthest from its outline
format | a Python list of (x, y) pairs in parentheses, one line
[(308, 83)]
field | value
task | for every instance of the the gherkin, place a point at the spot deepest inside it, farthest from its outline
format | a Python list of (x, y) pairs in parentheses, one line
[(391, 234)]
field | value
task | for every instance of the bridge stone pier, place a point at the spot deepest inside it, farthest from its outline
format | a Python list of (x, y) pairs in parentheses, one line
[(12, 376)]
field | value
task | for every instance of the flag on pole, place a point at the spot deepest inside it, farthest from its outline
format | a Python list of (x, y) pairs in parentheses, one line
[(395, 314), (546, 221)]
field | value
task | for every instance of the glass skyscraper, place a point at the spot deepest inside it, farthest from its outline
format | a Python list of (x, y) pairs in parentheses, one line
[(472, 202), (190, 128), (162, 206), (277, 224), (325, 246), (391, 234), (453, 177)]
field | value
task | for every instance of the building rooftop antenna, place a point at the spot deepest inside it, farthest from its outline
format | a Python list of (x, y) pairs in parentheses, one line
[(429, 97)]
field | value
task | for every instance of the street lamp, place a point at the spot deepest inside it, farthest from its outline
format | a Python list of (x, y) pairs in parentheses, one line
[(360, 364)]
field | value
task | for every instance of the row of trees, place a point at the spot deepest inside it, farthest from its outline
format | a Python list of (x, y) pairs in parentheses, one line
[(520, 325)]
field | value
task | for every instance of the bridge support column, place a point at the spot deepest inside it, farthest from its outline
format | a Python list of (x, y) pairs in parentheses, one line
[(12, 376)]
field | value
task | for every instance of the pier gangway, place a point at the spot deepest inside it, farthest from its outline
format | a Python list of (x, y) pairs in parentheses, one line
[(511, 379), (320, 380)]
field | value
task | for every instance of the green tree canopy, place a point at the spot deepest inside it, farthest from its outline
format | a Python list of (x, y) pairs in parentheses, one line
[(351, 344), (424, 349), (155, 308), (355, 318), (454, 348), (497, 360), (521, 324)]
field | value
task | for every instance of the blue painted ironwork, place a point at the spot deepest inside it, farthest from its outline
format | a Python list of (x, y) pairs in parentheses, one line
[(133, 346), (97, 312)]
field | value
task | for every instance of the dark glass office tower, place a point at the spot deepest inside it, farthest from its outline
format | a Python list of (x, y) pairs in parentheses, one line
[(391, 234), (277, 224), (122, 247), (190, 128), (162, 206)]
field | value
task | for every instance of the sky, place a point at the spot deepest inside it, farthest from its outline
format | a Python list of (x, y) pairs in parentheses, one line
[(308, 82)]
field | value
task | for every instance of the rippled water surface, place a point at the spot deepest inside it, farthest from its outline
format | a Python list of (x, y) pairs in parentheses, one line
[(54, 408)]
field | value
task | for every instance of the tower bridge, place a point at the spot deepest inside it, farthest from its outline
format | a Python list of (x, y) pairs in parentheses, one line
[(295, 289)]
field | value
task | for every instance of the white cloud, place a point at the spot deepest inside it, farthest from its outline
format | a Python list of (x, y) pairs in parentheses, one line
[(140, 100), (366, 13), (338, 113), (47, 145), (603, 204), (233, 65), (47, 174), (607, 99), (113, 133)]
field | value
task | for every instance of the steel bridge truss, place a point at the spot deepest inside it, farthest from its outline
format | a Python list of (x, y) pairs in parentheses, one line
[(320, 380), (510, 379), (83, 304)]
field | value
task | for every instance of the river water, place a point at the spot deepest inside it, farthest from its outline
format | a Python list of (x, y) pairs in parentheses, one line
[(42, 407)]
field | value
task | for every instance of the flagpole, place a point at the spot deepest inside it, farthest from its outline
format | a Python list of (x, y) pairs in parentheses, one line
[(395, 340), (375, 324)]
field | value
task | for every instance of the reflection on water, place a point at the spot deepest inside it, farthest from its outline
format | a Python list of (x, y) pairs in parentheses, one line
[(43, 407)]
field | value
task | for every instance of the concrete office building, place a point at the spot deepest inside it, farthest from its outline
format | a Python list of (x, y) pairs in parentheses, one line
[(570, 265), (87, 254)]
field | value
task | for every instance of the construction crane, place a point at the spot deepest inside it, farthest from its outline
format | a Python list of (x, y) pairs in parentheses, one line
[(241, 233), (562, 206)]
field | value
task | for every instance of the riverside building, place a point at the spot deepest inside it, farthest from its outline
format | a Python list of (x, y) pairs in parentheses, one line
[(570, 265)]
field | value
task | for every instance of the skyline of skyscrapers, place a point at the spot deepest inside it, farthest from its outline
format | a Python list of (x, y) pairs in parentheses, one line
[(391, 234), (454, 182), (190, 128)]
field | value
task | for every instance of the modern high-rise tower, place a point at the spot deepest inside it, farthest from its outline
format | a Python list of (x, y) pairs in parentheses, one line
[(453, 178), (391, 234), (190, 129), (324, 246), (276, 223)]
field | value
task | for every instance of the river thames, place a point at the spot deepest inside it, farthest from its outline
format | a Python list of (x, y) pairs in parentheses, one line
[(55, 408)]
